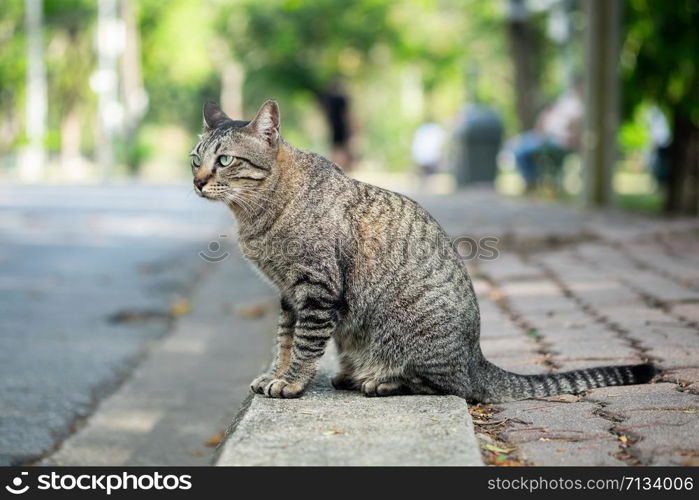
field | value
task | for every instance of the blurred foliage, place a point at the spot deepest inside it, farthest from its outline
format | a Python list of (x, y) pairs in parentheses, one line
[(297, 45), (659, 57), (12, 71), (403, 62)]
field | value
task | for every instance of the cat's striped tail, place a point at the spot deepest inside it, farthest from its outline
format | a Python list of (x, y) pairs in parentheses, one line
[(500, 385)]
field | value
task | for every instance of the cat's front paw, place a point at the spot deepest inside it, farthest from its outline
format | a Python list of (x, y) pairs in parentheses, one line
[(258, 385), (279, 388)]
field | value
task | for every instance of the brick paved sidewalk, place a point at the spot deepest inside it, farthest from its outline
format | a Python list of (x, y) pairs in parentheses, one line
[(573, 290)]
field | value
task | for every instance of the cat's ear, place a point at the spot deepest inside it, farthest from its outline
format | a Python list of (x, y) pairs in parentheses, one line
[(214, 116), (266, 122)]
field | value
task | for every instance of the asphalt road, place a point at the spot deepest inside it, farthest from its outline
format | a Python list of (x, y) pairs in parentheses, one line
[(89, 277)]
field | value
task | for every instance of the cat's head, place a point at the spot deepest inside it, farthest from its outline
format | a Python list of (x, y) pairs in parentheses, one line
[(235, 157)]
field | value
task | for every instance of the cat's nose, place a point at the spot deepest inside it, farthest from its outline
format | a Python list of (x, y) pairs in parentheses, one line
[(200, 183)]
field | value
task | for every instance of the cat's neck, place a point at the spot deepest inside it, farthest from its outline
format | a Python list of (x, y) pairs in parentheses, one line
[(258, 210)]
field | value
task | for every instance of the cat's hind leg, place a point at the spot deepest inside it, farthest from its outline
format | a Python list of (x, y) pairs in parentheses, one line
[(396, 387), (345, 378), (373, 387)]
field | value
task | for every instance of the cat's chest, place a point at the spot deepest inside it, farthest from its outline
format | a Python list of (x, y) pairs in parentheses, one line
[(267, 257)]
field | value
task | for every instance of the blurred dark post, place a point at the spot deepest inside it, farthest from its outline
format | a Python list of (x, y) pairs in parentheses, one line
[(601, 122), (33, 157), (522, 51)]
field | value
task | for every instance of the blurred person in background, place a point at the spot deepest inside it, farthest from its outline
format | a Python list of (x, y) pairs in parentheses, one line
[(557, 134), (661, 138), (336, 106), (427, 148)]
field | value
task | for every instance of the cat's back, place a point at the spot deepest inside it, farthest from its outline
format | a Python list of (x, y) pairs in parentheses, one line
[(385, 215)]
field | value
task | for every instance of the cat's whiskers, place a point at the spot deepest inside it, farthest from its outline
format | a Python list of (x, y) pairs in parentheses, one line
[(252, 202), (253, 198), (242, 204)]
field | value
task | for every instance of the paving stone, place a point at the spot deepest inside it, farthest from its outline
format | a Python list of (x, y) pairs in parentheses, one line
[(531, 288), (481, 287), (627, 398), (635, 316), (682, 268), (509, 267), (593, 332), (661, 288), (566, 364), (603, 293), (665, 437), (689, 312), (594, 351), (663, 333), (688, 378), (590, 452), (536, 307), (675, 356), (527, 364), (553, 421), (508, 347), (556, 338)]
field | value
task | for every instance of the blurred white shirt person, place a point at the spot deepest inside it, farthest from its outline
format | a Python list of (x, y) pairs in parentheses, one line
[(428, 143)]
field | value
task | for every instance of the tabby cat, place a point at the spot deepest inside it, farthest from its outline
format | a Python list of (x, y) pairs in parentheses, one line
[(367, 267)]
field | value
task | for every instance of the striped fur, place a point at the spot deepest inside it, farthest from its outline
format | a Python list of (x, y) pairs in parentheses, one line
[(364, 266)]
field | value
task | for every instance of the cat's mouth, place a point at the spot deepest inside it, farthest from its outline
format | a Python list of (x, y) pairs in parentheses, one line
[(214, 193)]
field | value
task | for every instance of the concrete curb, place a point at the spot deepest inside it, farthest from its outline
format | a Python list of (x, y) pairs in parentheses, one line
[(328, 427)]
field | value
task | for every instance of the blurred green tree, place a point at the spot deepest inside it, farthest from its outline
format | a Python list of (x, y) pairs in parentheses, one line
[(660, 66), (12, 73)]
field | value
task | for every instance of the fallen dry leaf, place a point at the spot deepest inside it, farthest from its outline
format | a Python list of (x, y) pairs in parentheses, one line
[(333, 432), (215, 439), (503, 461), (180, 308), (495, 449), (495, 295), (253, 311)]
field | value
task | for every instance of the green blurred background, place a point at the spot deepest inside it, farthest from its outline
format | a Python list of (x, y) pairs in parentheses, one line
[(95, 90)]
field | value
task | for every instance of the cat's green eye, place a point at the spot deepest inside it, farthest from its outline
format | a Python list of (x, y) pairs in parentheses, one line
[(196, 161), (225, 160)]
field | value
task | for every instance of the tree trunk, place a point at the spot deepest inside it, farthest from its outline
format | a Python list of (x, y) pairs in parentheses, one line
[(683, 176), (601, 121), (522, 52), (232, 78), (134, 95)]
